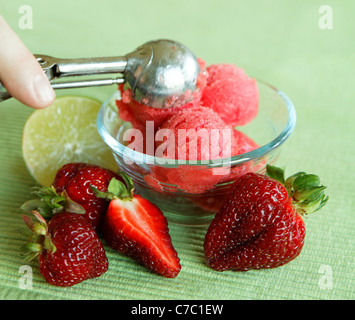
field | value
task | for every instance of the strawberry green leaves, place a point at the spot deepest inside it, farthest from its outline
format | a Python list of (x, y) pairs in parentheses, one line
[(305, 189), (39, 239), (276, 173), (48, 203), (117, 189)]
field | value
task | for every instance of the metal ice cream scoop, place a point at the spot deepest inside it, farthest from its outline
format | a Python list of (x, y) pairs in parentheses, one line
[(160, 73)]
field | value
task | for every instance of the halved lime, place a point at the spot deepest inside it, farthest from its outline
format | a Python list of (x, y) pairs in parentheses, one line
[(62, 133)]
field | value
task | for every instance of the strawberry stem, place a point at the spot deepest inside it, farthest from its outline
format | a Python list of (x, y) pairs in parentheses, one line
[(117, 189), (39, 239), (305, 189), (49, 202)]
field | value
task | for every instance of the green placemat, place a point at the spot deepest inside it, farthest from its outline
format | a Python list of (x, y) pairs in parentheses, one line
[(281, 42)]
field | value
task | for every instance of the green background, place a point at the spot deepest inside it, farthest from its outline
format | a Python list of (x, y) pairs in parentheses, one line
[(277, 41)]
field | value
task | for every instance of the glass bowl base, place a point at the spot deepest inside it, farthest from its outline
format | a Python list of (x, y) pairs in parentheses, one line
[(177, 218)]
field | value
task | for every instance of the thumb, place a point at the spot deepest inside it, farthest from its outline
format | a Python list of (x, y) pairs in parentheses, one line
[(20, 73)]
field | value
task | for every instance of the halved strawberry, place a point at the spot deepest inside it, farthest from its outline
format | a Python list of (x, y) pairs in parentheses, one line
[(137, 228)]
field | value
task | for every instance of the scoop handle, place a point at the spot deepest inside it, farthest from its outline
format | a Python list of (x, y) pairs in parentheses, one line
[(4, 95), (58, 68), (89, 66)]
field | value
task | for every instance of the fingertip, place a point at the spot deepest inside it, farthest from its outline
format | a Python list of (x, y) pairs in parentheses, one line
[(43, 91), (20, 72)]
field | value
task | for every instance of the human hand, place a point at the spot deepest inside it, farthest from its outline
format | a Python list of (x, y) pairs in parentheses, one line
[(20, 73)]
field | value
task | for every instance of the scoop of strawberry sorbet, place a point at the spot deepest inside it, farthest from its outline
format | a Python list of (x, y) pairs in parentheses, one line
[(196, 133), (231, 94), (192, 136)]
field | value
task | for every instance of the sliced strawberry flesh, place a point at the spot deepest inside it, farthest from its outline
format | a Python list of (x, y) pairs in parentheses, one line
[(142, 222)]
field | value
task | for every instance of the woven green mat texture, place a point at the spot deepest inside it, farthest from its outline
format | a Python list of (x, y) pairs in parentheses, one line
[(301, 47)]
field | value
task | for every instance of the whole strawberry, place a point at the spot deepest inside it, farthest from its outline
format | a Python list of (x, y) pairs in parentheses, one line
[(68, 248), (75, 179), (260, 224), (138, 229)]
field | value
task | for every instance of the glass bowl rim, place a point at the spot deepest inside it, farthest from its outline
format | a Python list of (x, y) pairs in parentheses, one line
[(263, 150)]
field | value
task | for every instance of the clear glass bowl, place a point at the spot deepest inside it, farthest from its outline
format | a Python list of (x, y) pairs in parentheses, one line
[(211, 180)]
